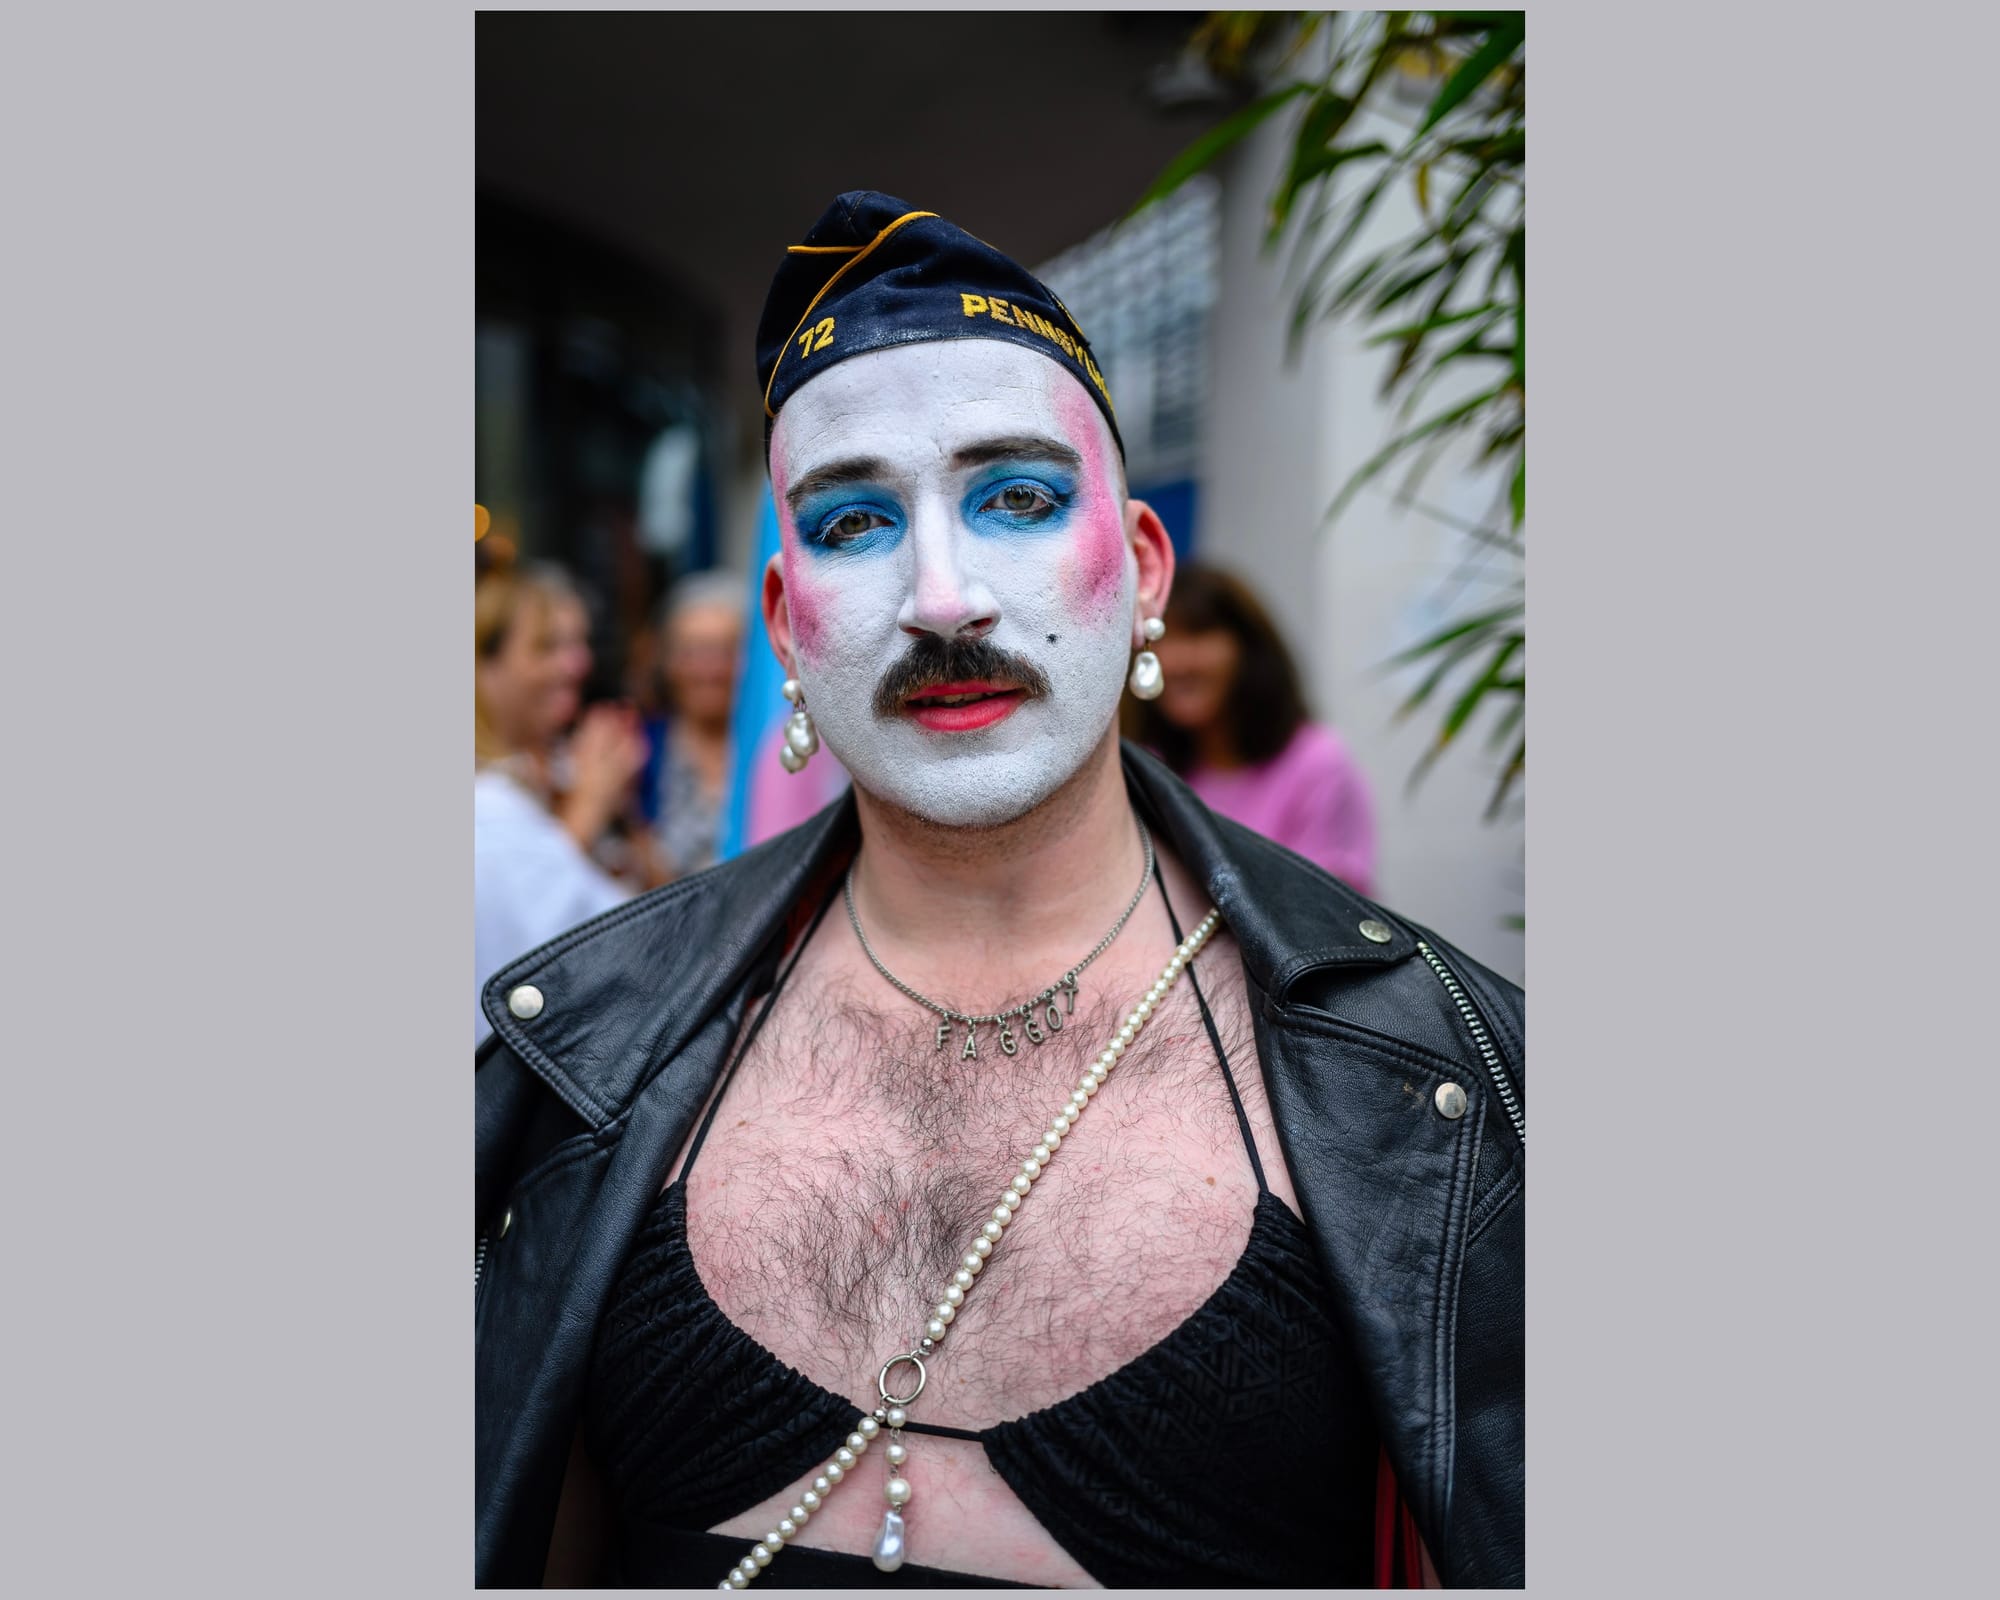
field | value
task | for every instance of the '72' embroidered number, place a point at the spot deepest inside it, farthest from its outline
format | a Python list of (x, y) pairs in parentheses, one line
[(816, 338)]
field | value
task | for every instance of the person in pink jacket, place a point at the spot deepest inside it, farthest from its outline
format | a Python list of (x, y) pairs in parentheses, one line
[(1232, 721)]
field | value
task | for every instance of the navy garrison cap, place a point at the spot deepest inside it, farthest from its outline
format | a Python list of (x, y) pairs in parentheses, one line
[(875, 272)]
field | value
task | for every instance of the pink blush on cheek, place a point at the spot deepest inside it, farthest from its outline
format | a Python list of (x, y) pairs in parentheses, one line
[(1094, 571), (801, 600), (804, 602)]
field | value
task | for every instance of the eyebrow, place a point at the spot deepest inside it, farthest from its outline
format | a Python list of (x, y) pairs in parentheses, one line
[(836, 475), (988, 451), (868, 469)]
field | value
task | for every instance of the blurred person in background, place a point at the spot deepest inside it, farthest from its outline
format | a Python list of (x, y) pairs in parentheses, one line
[(1232, 721), (533, 875), (700, 642)]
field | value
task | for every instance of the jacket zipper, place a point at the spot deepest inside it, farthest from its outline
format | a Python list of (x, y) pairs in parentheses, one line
[(1480, 1037), (479, 1261)]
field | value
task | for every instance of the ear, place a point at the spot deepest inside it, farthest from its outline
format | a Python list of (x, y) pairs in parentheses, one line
[(1154, 551), (778, 616)]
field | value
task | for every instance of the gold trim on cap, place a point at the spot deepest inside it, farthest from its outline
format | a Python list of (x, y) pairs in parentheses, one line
[(855, 259)]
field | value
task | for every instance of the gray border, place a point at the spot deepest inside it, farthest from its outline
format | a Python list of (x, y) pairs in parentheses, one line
[(1755, 1018), (239, 253), (237, 375)]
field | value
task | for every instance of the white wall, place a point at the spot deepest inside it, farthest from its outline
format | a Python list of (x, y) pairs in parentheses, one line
[(1280, 442)]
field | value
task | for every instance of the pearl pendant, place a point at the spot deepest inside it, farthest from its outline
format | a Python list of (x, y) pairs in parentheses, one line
[(1147, 680), (889, 1543)]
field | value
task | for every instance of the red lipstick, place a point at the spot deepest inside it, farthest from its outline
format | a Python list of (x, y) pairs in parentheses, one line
[(963, 707)]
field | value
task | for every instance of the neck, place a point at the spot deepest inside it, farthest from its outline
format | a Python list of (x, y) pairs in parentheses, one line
[(985, 906)]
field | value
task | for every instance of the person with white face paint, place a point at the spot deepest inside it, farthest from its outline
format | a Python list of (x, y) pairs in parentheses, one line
[(1149, 1203)]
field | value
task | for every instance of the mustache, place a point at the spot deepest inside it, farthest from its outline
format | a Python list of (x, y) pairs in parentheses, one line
[(931, 661)]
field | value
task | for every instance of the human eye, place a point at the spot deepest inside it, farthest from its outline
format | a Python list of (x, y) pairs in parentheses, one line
[(846, 526), (1022, 501)]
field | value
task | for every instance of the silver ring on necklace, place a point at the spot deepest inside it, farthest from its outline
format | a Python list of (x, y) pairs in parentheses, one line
[(882, 1382)]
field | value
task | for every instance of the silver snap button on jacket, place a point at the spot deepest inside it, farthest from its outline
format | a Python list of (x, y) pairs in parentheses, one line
[(1376, 931), (506, 1222), (1450, 1101), (525, 1002)]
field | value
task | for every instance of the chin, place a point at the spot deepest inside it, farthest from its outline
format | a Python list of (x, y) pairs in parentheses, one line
[(983, 779), (970, 789)]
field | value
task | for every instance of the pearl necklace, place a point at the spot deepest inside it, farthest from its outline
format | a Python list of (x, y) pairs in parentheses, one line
[(893, 1412)]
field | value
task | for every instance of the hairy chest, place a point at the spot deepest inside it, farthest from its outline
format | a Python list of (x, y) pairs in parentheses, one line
[(852, 1162)]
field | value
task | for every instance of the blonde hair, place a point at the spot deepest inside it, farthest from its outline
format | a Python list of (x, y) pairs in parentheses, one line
[(503, 597)]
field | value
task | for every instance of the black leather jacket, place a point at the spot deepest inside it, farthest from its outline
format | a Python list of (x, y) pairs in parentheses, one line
[(1417, 1212)]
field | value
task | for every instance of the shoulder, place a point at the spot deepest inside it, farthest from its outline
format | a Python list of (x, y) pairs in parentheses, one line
[(510, 826), (498, 797), (619, 994)]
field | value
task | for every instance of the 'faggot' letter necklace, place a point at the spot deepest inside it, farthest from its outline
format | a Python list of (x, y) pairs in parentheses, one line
[(1040, 1016), (908, 1369)]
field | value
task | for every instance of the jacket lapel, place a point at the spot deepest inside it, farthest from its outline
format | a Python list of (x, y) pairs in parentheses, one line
[(615, 1009)]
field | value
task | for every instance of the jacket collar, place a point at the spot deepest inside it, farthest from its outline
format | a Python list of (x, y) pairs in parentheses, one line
[(623, 993)]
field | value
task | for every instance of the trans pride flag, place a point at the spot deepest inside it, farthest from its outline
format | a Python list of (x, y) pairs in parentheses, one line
[(765, 799)]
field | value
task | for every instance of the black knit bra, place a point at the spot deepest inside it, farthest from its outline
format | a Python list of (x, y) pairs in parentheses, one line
[(1237, 1450)]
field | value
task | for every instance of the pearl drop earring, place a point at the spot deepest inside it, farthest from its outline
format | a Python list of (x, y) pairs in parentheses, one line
[(1147, 680), (801, 737)]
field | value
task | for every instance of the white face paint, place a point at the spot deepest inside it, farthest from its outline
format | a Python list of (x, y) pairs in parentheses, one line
[(915, 500)]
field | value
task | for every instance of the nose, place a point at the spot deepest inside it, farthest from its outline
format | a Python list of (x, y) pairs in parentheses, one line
[(947, 597)]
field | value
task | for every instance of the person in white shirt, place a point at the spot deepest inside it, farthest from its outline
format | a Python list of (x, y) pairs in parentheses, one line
[(533, 875)]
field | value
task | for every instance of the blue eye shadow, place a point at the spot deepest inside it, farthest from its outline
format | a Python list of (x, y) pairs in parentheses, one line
[(816, 515), (1056, 486)]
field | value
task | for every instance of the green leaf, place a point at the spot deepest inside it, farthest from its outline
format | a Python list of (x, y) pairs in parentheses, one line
[(1510, 719), (1454, 654), (1329, 258), (1395, 447), (1358, 283), (1431, 324), (1517, 763), (1474, 70), (1435, 323), (1518, 493), (1469, 702), (1470, 348), (1212, 143), (1497, 445), (1458, 630), (1412, 354), (1420, 469), (1493, 149), (1307, 169), (1467, 349), (1405, 286), (1322, 122), (1466, 205)]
